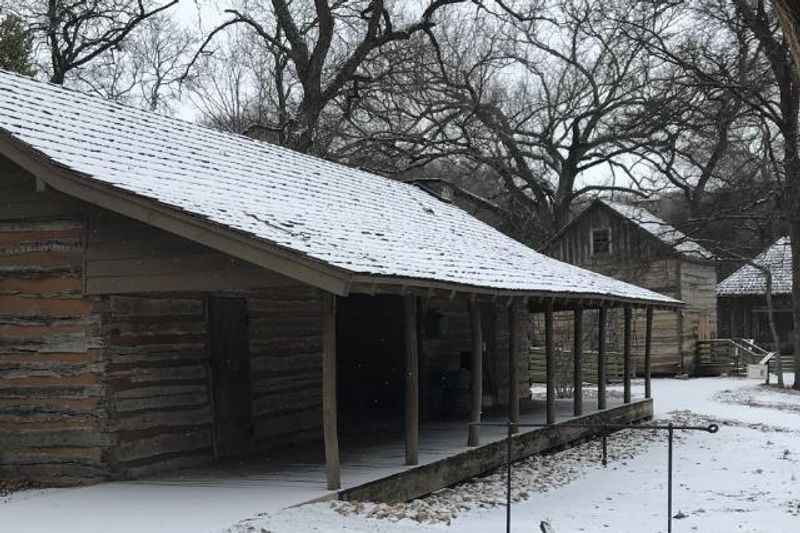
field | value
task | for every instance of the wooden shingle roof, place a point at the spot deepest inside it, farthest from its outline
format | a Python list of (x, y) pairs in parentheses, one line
[(750, 281), (347, 224), (660, 229)]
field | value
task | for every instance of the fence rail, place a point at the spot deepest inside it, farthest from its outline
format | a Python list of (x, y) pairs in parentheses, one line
[(537, 368), (715, 356)]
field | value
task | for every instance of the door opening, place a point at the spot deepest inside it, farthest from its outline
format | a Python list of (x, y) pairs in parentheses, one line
[(231, 379)]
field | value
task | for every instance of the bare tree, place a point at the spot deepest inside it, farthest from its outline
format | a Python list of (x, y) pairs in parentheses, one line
[(709, 123), (561, 102), (161, 50), (244, 86), (768, 89), (324, 46), (146, 71), (782, 110), (75, 33)]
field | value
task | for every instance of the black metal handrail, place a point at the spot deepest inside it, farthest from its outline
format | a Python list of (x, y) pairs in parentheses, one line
[(605, 428)]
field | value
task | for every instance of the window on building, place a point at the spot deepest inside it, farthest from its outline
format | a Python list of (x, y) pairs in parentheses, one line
[(601, 241)]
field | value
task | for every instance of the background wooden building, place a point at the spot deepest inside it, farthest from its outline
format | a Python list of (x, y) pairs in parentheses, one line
[(631, 244), (742, 306), (171, 295)]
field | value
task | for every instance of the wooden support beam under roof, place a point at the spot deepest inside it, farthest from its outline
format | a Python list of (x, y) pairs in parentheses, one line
[(513, 378), (329, 408), (550, 363), (477, 373), (412, 380), (626, 354), (602, 379), (577, 383)]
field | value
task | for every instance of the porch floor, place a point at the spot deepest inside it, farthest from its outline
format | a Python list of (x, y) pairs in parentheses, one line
[(286, 480)]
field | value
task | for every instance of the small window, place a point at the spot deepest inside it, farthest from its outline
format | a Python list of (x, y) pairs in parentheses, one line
[(601, 241)]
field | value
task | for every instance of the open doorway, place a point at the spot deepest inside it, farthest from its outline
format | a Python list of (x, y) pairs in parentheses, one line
[(371, 365)]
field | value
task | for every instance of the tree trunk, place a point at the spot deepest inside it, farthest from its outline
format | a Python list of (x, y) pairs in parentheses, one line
[(795, 238)]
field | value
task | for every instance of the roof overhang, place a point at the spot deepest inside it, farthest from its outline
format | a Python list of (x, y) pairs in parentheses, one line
[(262, 253)]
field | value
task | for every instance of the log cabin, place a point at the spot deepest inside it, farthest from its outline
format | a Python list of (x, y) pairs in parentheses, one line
[(171, 295), (632, 244), (742, 305)]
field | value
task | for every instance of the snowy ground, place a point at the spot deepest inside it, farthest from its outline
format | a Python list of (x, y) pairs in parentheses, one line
[(744, 479)]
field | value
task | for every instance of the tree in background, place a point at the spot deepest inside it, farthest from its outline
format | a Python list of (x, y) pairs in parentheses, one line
[(146, 71), (74, 34), (320, 50), (560, 101), (16, 46)]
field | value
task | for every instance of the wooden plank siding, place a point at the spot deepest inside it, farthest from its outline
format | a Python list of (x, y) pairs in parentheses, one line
[(639, 258), (126, 256)]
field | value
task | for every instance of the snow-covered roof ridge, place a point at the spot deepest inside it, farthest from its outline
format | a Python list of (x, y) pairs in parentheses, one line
[(660, 229), (749, 280), (351, 220)]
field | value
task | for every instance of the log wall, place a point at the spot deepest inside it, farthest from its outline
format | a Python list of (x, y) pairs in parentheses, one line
[(286, 351), (639, 258), (104, 361), (158, 382), (53, 414)]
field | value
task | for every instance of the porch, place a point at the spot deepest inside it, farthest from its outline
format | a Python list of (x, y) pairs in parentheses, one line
[(372, 468)]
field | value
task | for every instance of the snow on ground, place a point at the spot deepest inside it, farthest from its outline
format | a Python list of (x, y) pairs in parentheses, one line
[(744, 478)]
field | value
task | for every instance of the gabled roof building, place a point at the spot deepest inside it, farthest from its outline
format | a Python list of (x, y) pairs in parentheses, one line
[(632, 244), (171, 295), (742, 305)]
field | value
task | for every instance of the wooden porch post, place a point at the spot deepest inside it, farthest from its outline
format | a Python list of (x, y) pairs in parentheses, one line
[(550, 361), (648, 349), (626, 356), (577, 383), (412, 380), (513, 378), (601, 358), (477, 372), (329, 412)]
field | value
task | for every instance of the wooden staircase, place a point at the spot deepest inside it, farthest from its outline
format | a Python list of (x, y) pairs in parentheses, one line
[(729, 356)]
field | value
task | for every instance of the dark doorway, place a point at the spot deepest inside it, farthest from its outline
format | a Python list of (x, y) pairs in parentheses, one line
[(230, 364), (371, 363)]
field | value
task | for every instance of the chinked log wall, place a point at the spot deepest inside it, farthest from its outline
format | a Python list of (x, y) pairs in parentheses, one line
[(286, 351), (157, 377), (157, 344), (103, 385), (53, 415)]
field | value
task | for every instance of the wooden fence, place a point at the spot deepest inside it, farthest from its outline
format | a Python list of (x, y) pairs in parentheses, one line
[(565, 365), (727, 356)]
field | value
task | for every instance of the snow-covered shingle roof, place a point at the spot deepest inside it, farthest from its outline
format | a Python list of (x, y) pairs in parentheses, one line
[(660, 229), (749, 280), (356, 222)]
